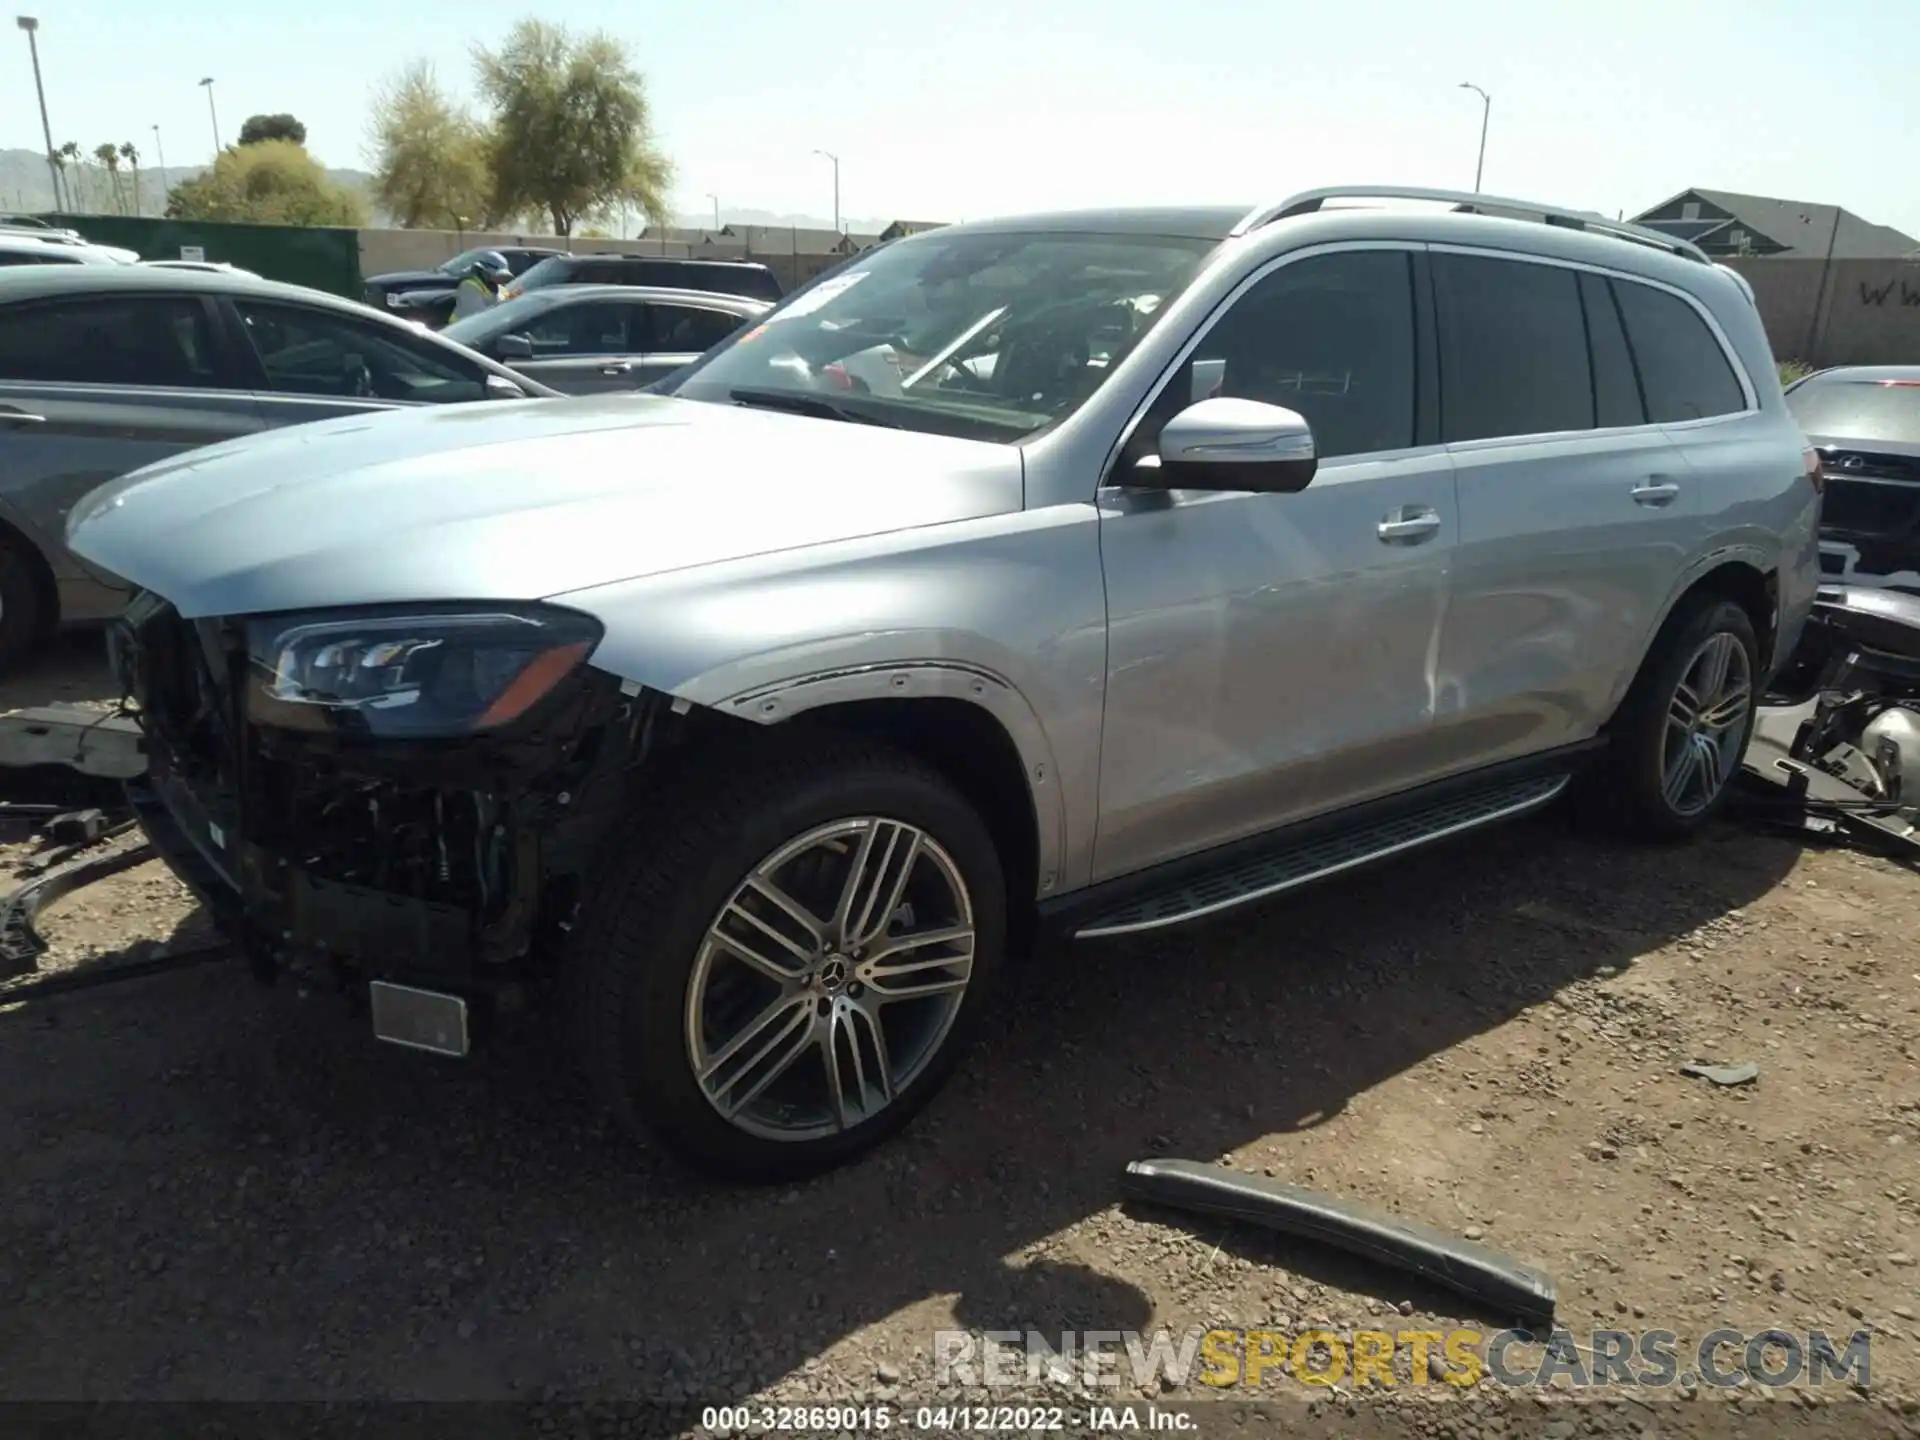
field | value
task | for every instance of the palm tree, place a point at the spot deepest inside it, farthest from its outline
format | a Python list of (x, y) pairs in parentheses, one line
[(69, 154), (132, 156), (109, 157)]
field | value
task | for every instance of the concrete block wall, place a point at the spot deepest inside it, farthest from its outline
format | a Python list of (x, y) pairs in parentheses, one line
[(1849, 312)]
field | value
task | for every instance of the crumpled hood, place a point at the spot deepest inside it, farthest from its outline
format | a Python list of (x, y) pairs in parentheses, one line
[(517, 500)]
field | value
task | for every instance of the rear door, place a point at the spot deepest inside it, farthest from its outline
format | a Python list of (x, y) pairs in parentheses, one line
[(679, 333), (310, 363), (91, 388), (1577, 510)]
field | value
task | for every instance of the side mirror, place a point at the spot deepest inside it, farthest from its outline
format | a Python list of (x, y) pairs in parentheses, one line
[(513, 347), (1225, 444), (501, 388)]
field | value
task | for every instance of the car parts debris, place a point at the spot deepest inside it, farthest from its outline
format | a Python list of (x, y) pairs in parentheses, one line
[(1742, 1074), (20, 944), (1460, 1265)]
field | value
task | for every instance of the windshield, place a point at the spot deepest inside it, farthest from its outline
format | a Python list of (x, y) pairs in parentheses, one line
[(987, 334), (1854, 409), (502, 319), (459, 264)]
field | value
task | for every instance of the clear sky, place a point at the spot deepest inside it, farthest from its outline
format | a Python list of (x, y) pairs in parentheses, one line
[(953, 109)]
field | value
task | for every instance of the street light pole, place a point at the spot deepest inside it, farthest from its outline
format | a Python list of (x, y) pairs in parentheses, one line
[(164, 188), (1486, 113), (32, 26), (836, 187), (716, 211), (213, 115)]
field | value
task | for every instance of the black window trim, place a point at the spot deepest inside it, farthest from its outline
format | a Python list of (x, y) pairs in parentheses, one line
[(1748, 391), (227, 365), (1426, 430)]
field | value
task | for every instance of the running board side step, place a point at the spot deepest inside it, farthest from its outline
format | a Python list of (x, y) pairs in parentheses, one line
[(1323, 854)]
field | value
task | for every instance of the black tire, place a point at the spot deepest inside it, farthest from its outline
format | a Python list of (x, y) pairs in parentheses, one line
[(23, 618), (1626, 789), (646, 910)]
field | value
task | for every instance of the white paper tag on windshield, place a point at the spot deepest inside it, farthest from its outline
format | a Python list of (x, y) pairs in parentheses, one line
[(825, 293)]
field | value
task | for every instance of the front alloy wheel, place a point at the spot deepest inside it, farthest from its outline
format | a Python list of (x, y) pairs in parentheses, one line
[(829, 979), (787, 951)]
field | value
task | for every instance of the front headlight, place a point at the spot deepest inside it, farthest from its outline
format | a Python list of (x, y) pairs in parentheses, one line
[(421, 671)]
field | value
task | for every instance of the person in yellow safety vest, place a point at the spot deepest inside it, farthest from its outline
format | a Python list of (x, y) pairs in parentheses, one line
[(480, 290)]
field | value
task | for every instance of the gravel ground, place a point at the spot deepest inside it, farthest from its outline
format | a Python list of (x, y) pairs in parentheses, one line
[(212, 1191)]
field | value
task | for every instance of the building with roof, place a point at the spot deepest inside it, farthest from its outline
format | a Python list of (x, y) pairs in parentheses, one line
[(1723, 223)]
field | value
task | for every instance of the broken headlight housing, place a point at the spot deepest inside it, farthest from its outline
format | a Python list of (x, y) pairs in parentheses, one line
[(411, 672)]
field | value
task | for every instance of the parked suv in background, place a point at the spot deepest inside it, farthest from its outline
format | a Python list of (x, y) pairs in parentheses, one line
[(1865, 422), (427, 295), (724, 277), (1197, 554)]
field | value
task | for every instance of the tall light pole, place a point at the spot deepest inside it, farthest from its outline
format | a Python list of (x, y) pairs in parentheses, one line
[(1486, 113), (836, 187), (32, 26), (716, 211), (162, 150), (212, 114)]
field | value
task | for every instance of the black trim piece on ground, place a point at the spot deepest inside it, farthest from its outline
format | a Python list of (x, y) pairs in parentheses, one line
[(1505, 1285)]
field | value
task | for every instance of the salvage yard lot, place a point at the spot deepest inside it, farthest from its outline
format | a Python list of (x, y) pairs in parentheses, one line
[(210, 1190)]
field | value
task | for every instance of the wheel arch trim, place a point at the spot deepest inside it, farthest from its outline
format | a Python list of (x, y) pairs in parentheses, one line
[(929, 679)]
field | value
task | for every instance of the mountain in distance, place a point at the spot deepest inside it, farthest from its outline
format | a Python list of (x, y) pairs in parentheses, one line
[(27, 189)]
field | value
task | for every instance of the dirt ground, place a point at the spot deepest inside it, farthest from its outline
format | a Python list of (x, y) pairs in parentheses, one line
[(210, 1190)]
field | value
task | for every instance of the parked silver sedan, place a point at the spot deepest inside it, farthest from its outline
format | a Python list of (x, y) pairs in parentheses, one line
[(107, 368), (590, 339)]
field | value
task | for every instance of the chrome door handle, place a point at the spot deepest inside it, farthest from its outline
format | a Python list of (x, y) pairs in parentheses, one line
[(618, 367), (1409, 525), (1655, 491), (21, 417)]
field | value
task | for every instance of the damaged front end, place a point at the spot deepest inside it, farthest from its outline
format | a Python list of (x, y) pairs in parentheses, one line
[(404, 795)]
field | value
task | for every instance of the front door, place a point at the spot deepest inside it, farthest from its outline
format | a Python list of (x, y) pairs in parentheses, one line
[(1271, 656)]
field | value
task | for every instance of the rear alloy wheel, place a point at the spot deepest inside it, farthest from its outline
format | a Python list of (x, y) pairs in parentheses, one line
[(1678, 741), (1707, 719), (786, 959)]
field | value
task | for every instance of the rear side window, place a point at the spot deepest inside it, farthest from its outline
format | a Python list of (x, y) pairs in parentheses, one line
[(148, 340), (1513, 349), (1616, 389), (689, 329), (1683, 371)]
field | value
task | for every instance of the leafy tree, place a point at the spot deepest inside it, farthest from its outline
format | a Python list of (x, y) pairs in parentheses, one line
[(270, 182), (429, 156), (69, 154), (571, 132), (272, 127)]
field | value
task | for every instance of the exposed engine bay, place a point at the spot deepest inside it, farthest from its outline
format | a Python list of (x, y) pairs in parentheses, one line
[(318, 845)]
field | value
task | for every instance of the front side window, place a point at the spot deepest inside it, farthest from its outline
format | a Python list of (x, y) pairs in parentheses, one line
[(312, 352), (988, 334), (1513, 349), (1683, 370), (596, 328), (689, 329), (143, 340)]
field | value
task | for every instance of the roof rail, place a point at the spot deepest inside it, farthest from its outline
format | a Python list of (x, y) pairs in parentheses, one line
[(1308, 201)]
